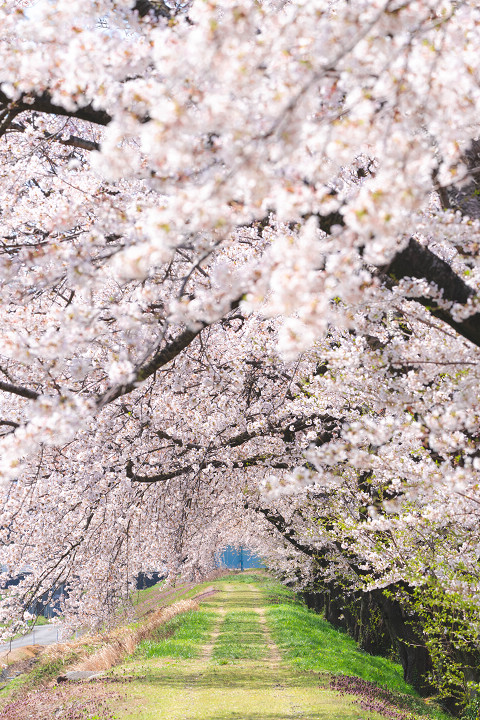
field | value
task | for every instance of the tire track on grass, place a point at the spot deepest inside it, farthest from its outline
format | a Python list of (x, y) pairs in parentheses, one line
[(275, 657), (208, 648)]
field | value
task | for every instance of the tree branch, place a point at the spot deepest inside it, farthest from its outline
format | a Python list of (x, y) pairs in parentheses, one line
[(185, 469), (154, 9), (286, 427), (71, 141), (162, 357), (18, 390), (43, 103), (76, 142), (419, 262), (285, 530)]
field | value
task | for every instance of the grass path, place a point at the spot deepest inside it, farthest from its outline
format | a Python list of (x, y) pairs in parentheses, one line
[(238, 674), (250, 652)]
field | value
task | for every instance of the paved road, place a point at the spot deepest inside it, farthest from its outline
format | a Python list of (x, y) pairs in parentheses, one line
[(42, 635)]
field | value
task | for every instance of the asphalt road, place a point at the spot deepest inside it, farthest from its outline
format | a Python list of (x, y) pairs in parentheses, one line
[(42, 635)]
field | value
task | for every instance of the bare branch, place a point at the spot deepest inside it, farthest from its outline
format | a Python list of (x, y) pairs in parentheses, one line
[(43, 103), (18, 390), (162, 357)]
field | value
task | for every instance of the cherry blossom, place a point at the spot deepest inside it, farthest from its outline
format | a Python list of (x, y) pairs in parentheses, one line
[(239, 293)]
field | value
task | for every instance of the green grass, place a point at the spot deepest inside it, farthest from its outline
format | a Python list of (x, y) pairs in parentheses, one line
[(313, 644), (181, 637), (241, 637), (170, 678), (39, 620)]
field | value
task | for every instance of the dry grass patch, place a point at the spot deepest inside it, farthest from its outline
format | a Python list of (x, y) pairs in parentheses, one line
[(101, 652), (27, 652)]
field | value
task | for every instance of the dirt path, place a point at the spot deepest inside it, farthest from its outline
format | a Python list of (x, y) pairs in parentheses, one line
[(273, 651), (240, 674)]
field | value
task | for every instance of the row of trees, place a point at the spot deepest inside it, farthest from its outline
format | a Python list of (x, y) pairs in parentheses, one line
[(239, 299)]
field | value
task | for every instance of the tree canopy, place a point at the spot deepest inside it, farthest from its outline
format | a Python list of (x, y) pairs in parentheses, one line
[(239, 292)]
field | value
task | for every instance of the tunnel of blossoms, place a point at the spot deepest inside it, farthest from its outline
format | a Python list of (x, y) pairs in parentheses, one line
[(239, 276)]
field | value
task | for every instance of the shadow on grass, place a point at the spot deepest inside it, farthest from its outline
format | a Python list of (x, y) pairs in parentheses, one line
[(293, 715), (251, 675)]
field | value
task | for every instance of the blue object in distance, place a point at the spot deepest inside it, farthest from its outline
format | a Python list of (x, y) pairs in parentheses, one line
[(240, 558)]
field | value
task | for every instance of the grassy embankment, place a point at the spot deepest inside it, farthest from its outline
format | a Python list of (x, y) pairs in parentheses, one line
[(311, 643), (181, 638), (219, 663)]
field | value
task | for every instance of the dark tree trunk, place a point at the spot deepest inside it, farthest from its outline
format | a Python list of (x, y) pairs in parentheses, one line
[(357, 613), (379, 624), (412, 652)]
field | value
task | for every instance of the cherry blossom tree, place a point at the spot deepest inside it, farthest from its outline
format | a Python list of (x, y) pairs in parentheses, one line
[(239, 263)]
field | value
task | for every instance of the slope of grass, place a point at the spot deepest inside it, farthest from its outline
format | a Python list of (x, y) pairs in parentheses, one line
[(313, 644), (139, 596)]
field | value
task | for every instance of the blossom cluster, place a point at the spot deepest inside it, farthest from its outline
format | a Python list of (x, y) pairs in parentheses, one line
[(207, 334)]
